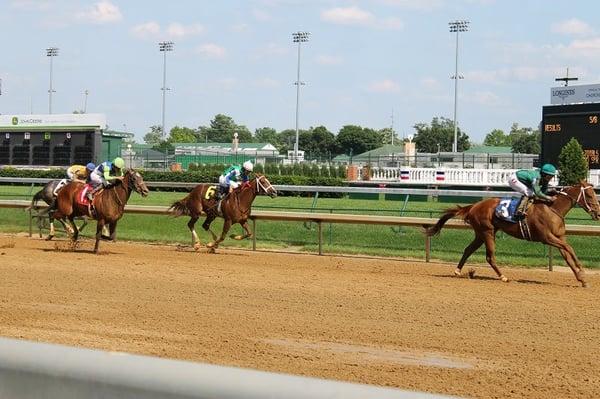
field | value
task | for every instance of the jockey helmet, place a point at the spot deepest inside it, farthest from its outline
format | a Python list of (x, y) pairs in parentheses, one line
[(248, 166), (549, 169), (90, 166), (119, 163)]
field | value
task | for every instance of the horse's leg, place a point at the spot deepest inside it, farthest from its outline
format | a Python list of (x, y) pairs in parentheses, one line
[(472, 247), (569, 256), (112, 230), (75, 229), (226, 227), (206, 226), (246, 230), (83, 224), (195, 239), (99, 227), (490, 253)]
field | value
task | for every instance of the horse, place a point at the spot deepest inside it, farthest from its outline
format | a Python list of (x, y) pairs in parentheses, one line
[(109, 204), (545, 222), (233, 208), (48, 195)]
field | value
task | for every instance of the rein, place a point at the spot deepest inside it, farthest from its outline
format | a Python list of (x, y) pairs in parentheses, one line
[(581, 195)]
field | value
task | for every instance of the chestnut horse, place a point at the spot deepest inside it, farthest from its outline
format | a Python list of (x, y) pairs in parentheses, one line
[(546, 224), (234, 207), (109, 204)]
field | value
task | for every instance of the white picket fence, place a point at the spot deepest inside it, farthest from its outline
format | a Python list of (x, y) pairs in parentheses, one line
[(449, 177)]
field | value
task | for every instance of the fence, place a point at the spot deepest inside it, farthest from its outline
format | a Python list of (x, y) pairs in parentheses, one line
[(37, 370)]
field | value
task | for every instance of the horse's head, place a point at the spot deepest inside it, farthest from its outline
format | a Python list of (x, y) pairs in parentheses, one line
[(264, 185), (136, 182), (583, 194)]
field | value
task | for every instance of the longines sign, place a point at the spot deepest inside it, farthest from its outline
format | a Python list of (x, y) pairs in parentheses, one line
[(575, 94)]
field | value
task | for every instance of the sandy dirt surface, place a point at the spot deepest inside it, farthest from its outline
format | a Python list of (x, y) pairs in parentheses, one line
[(406, 324)]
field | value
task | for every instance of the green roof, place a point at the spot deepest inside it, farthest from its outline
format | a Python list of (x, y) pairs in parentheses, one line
[(488, 149)]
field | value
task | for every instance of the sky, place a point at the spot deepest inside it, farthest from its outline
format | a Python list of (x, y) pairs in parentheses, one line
[(372, 63)]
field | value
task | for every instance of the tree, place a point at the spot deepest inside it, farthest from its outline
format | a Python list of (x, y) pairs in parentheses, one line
[(266, 135), (386, 136), (153, 137), (356, 140), (497, 138), (572, 163), (221, 130), (441, 131), (287, 138), (318, 142), (182, 135)]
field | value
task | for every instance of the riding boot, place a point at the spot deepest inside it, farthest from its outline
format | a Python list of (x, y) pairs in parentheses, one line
[(520, 212)]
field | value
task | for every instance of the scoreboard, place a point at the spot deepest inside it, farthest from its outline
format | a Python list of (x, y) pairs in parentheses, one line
[(562, 122)]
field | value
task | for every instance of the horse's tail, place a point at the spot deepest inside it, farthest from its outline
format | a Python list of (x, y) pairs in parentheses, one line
[(36, 197), (460, 211), (179, 208)]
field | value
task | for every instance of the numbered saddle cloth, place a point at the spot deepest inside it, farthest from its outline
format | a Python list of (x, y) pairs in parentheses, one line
[(506, 209)]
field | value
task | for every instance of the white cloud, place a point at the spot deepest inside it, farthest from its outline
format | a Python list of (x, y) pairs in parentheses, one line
[(348, 16), (574, 27), (152, 30), (422, 5), (178, 31), (211, 50), (329, 60), (384, 86), (147, 30), (484, 98), (430, 83), (355, 16), (101, 12)]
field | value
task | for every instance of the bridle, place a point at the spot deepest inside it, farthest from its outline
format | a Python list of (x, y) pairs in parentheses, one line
[(260, 185), (585, 205)]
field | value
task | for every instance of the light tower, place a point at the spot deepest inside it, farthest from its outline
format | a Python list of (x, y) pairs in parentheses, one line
[(51, 52), (164, 47), (298, 37), (457, 26)]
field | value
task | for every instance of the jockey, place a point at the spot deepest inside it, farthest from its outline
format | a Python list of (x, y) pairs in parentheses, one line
[(532, 184), (232, 176), (105, 174), (80, 172)]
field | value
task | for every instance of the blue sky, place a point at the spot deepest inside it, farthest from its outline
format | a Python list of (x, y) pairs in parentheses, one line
[(365, 60)]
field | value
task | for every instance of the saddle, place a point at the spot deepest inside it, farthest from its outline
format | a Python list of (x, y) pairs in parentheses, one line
[(60, 185), (506, 209)]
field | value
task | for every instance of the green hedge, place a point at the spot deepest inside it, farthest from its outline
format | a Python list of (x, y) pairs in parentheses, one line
[(197, 176)]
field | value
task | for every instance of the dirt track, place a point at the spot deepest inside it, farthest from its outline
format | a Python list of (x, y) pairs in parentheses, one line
[(377, 321)]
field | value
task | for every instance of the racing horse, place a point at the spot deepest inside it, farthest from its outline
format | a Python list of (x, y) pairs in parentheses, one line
[(48, 194), (233, 208), (546, 224), (108, 204)]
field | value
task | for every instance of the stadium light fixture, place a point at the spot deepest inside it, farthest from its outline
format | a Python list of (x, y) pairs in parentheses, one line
[(457, 26)]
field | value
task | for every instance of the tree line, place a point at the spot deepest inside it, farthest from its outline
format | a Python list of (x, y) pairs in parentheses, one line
[(320, 143)]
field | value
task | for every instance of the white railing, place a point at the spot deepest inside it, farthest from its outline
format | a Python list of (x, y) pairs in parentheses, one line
[(454, 177)]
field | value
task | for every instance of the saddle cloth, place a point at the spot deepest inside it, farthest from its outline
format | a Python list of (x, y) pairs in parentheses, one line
[(506, 209), (81, 197)]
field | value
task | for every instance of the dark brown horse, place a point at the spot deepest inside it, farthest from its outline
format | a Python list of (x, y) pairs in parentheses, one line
[(109, 204), (234, 208), (546, 224)]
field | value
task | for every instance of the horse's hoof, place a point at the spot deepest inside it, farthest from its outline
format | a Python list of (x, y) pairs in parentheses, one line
[(584, 284), (210, 245), (49, 238), (210, 250), (504, 279), (238, 237), (457, 273), (197, 246)]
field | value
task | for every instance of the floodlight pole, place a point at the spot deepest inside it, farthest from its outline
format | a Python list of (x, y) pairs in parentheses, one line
[(298, 37), (457, 26), (164, 47), (51, 52)]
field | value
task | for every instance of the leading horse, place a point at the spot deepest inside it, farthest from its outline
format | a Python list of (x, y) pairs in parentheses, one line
[(234, 207), (546, 224), (109, 204)]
